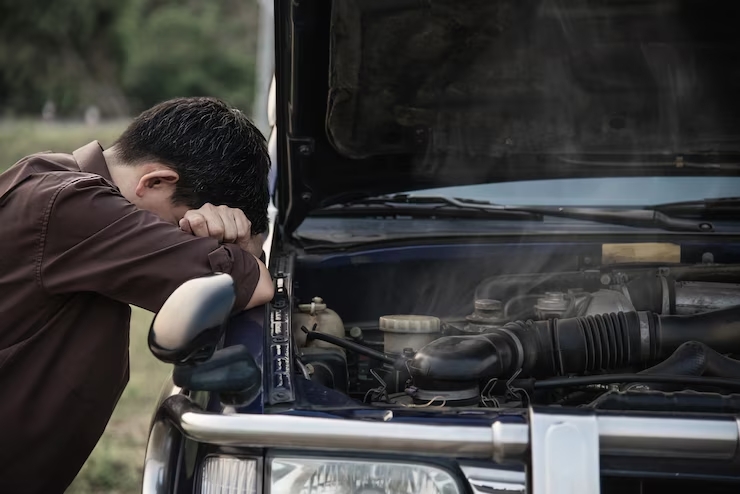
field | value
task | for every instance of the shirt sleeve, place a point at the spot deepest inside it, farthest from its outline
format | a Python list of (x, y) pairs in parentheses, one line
[(94, 240)]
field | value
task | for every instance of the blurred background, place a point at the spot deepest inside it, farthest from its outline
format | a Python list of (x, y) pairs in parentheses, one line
[(72, 71)]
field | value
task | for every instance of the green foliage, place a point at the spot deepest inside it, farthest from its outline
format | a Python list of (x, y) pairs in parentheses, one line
[(55, 50), (125, 55), (186, 51)]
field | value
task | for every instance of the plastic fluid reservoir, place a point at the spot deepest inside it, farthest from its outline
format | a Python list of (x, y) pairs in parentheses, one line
[(326, 320), (408, 331)]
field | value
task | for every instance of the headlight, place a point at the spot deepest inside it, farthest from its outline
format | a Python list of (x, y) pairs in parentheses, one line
[(330, 476), (228, 475)]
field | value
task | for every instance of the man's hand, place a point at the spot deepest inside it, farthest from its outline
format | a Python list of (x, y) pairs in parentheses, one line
[(225, 224)]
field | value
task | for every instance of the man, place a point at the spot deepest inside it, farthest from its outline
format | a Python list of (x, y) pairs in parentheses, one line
[(181, 194)]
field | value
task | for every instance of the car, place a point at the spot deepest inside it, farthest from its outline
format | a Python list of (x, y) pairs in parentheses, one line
[(506, 255)]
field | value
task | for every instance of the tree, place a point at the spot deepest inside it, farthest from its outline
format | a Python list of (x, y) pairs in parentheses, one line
[(55, 50), (189, 50), (125, 55)]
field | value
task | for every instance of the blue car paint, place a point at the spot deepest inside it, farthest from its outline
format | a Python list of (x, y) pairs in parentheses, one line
[(246, 328)]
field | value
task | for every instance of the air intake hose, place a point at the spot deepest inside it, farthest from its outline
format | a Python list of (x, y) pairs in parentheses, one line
[(697, 359), (576, 345)]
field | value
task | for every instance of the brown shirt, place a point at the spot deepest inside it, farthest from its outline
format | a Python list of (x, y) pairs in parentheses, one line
[(73, 255)]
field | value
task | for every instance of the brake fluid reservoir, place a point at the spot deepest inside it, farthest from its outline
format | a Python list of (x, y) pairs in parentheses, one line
[(326, 320), (408, 331)]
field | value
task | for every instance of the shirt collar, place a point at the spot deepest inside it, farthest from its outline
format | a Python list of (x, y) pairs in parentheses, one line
[(90, 159)]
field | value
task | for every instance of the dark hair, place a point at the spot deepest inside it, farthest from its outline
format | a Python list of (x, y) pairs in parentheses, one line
[(220, 155)]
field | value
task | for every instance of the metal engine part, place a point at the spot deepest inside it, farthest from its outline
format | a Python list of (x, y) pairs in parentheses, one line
[(661, 295), (553, 305), (487, 314), (606, 301), (664, 295), (693, 297)]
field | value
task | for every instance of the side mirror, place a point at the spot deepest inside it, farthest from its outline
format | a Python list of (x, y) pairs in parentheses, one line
[(190, 324), (231, 372)]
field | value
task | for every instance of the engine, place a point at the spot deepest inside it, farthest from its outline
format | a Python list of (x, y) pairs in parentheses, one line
[(649, 339)]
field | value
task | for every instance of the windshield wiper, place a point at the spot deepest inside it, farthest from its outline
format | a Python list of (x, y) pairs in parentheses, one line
[(425, 207), (430, 206), (644, 162), (725, 207), (644, 218)]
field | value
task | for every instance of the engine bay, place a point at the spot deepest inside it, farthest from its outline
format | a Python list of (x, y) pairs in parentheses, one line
[(654, 337)]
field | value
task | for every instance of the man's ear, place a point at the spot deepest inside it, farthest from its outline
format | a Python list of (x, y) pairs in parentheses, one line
[(163, 179)]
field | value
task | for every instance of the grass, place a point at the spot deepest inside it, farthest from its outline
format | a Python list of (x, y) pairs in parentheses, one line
[(115, 465), (19, 138)]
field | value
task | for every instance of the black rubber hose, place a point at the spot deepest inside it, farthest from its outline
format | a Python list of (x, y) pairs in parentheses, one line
[(461, 359), (578, 345), (349, 345), (569, 382), (694, 358), (676, 402), (688, 360), (718, 329), (720, 365), (534, 348), (646, 293)]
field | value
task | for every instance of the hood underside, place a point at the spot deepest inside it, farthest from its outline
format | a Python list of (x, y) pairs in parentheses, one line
[(395, 95)]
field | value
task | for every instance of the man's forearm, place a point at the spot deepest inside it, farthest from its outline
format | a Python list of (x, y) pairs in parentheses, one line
[(264, 291), (231, 226)]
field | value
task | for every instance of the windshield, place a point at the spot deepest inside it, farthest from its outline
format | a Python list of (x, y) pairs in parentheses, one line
[(618, 192)]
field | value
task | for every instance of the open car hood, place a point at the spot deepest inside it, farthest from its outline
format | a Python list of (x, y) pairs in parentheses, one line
[(381, 96)]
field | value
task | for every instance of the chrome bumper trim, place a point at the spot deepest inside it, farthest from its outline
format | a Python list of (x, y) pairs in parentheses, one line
[(635, 436), (509, 440), (316, 433), (495, 480), (669, 437), (565, 454)]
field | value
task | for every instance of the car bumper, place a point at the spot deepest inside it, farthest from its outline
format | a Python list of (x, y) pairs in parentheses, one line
[(549, 444)]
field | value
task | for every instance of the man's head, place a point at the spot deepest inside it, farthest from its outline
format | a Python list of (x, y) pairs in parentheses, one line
[(185, 152)]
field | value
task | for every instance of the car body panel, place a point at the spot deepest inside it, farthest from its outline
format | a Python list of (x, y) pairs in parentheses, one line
[(512, 107), (309, 173)]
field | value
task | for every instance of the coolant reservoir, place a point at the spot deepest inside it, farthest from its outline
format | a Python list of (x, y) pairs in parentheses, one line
[(408, 331), (326, 320)]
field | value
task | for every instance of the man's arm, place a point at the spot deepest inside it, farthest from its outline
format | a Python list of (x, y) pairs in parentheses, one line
[(230, 225), (264, 291), (95, 240)]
